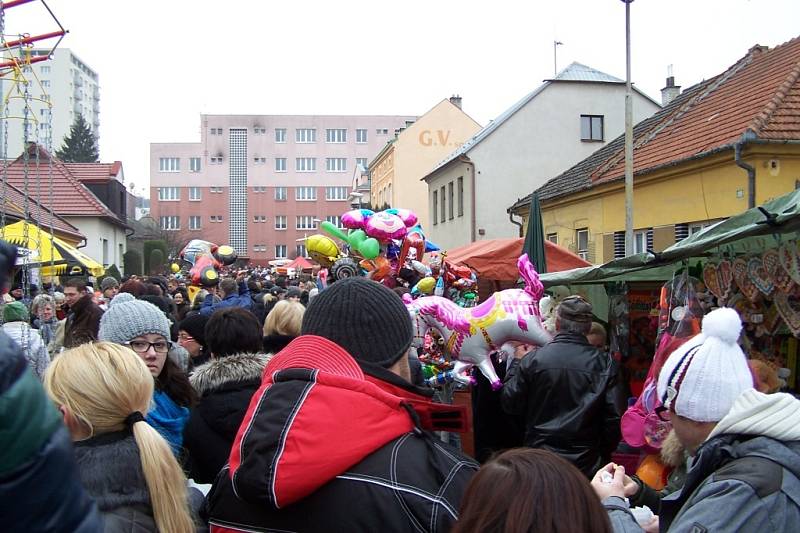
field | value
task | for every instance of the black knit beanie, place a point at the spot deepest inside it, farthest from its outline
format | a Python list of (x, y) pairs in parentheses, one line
[(363, 317), (195, 325)]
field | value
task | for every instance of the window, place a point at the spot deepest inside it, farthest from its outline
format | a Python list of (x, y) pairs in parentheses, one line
[(105, 251), (301, 250), (336, 193), (461, 197), (170, 223), (335, 220), (306, 222), (215, 189), (258, 130), (280, 222), (336, 164), (361, 136), (194, 164), (46, 69), (642, 241), (259, 247), (383, 131), (280, 194), (305, 164), (435, 207), (215, 218), (260, 160), (259, 189), (697, 227), (362, 162), (443, 205), (450, 196), (216, 160), (582, 242), (552, 237), (280, 135), (591, 127), (280, 251), (305, 193), (195, 194), (335, 136), (169, 164), (307, 135), (45, 83), (259, 218), (216, 131), (280, 164), (169, 194), (194, 222)]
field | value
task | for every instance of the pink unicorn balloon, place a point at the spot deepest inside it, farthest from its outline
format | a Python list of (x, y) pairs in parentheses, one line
[(472, 334)]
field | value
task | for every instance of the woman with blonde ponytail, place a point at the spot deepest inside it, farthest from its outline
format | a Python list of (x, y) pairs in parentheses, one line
[(103, 391)]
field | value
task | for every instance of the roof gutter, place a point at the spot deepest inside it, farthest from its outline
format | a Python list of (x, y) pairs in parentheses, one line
[(511, 218), (747, 136)]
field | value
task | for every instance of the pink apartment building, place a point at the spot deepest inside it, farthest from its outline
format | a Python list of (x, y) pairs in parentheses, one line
[(262, 183)]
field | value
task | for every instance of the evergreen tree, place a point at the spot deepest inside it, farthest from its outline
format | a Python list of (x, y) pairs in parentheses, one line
[(80, 146)]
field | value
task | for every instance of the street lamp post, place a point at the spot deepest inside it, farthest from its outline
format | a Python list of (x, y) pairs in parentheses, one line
[(628, 134)]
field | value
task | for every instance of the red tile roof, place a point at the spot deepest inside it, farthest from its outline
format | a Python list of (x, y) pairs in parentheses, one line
[(760, 93), (69, 196), (94, 171), (13, 203)]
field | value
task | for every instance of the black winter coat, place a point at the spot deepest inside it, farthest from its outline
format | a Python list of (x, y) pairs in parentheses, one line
[(275, 343), (225, 386), (567, 393), (83, 322)]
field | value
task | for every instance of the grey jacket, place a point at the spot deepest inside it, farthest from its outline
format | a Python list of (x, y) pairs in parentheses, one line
[(745, 477)]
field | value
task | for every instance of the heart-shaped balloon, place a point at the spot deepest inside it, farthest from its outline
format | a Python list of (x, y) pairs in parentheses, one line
[(725, 277), (772, 264), (758, 275), (711, 279), (743, 280), (789, 309)]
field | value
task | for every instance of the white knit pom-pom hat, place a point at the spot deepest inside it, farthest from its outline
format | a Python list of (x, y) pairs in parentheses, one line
[(702, 379)]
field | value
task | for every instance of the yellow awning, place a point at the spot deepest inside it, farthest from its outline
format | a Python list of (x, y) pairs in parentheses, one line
[(45, 251)]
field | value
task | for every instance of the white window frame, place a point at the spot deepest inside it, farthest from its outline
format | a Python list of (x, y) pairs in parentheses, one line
[(301, 251), (305, 164), (305, 135), (169, 164), (336, 194), (363, 161), (217, 160), (336, 135), (305, 222), (336, 164), (216, 190), (259, 160), (305, 194), (280, 251), (195, 164), (259, 219), (583, 252), (361, 136), (280, 194), (280, 164), (169, 194), (552, 237), (195, 194), (336, 220), (170, 223), (280, 135), (280, 222), (258, 130), (195, 222)]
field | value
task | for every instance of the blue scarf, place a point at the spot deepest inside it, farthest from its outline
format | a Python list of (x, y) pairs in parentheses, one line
[(168, 418)]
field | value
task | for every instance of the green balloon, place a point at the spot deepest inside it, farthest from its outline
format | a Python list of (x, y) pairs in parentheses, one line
[(370, 248)]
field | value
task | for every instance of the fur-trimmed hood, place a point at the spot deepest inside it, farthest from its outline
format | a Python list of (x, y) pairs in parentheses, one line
[(225, 370), (672, 451)]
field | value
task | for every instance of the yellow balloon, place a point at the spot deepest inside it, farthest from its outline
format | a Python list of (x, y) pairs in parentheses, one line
[(175, 268), (322, 249), (426, 285)]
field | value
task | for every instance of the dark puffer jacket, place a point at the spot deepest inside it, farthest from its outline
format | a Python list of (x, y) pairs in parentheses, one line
[(225, 386), (337, 448), (566, 391), (83, 322)]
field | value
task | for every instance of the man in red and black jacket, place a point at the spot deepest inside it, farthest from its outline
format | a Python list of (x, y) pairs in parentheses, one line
[(336, 438)]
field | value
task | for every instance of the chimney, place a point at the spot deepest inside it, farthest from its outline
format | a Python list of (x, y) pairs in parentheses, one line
[(456, 100), (671, 91)]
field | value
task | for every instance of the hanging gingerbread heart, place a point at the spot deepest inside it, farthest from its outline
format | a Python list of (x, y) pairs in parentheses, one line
[(711, 279), (772, 264), (789, 309), (725, 277), (758, 275), (743, 280), (788, 256)]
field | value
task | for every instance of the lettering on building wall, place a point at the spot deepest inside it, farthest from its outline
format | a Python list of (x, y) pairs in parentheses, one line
[(436, 138)]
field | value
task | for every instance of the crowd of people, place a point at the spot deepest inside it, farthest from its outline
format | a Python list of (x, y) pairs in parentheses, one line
[(267, 404)]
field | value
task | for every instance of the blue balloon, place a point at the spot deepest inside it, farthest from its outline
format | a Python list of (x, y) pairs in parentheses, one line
[(430, 247)]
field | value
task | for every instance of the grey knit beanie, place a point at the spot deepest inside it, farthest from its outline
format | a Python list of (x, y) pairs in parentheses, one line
[(128, 318)]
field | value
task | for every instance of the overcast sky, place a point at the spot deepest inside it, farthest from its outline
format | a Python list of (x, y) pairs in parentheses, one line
[(163, 63)]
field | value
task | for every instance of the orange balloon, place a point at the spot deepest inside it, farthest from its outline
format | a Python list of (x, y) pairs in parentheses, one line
[(653, 472)]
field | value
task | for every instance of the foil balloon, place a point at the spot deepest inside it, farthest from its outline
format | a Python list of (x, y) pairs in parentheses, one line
[(385, 226), (408, 217), (358, 241), (205, 259), (424, 286), (474, 333), (322, 249), (377, 269), (356, 219), (415, 241), (175, 268)]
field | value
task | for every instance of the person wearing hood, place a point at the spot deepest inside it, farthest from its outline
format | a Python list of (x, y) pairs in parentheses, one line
[(745, 473), (225, 385), (16, 325), (142, 327), (282, 325), (83, 320), (192, 337), (336, 437)]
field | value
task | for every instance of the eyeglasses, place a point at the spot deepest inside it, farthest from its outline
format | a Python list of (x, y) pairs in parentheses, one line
[(185, 338), (144, 346)]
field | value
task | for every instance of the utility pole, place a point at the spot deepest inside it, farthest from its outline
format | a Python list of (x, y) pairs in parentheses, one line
[(628, 134), (555, 57)]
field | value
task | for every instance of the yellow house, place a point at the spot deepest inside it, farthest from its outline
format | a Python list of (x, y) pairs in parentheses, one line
[(397, 171), (727, 144)]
